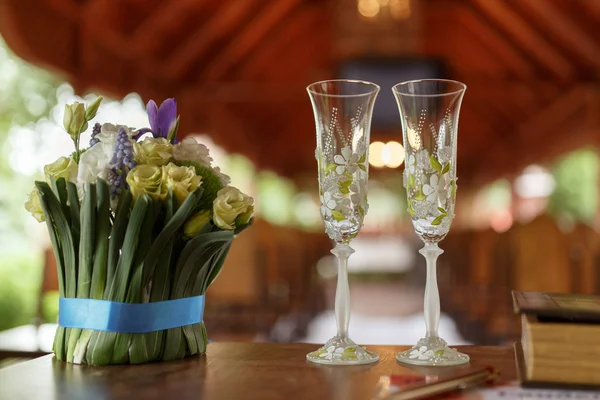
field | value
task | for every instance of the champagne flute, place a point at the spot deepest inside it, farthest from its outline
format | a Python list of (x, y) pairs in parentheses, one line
[(343, 111), (429, 112)]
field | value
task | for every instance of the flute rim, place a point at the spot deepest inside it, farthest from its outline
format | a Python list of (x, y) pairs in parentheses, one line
[(375, 88), (455, 92)]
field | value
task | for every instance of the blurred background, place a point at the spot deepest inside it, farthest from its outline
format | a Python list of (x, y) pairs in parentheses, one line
[(527, 213)]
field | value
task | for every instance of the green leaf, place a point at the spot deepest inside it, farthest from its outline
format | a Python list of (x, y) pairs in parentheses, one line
[(438, 220), (446, 168), (362, 167), (343, 188), (435, 164), (439, 352), (420, 196), (86, 242), (59, 186), (440, 209), (361, 211), (117, 235), (73, 197), (338, 216), (102, 239), (330, 168), (453, 185), (61, 238), (348, 176), (362, 158), (411, 181), (180, 217), (410, 209)]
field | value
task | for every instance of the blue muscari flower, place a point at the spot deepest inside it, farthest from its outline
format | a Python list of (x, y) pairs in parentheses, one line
[(95, 132), (121, 162)]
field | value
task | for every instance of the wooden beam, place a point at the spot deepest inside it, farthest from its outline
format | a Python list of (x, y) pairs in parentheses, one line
[(566, 31), (497, 44), (592, 6), (148, 34), (554, 114), (297, 28), (251, 36), (223, 23), (517, 27)]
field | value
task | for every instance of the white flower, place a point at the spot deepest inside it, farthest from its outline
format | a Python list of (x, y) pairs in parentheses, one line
[(421, 354), (423, 208), (411, 164), (423, 161), (435, 190), (190, 150), (108, 133), (229, 205), (359, 192), (347, 161), (332, 353), (327, 204), (225, 179), (95, 162), (445, 154)]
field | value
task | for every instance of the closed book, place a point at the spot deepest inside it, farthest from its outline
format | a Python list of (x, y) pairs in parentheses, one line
[(560, 338)]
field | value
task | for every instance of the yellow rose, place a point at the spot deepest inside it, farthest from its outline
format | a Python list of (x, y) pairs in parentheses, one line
[(195, 224), (34, 206), (154, 151), (182, 180), (229, 205), (64, 167), (145, 179)]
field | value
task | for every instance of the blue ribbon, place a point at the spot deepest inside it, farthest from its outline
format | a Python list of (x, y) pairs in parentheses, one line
[(112, 316)]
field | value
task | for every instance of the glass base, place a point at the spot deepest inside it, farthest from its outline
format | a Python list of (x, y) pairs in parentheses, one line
[(342, 351), (432, 351)]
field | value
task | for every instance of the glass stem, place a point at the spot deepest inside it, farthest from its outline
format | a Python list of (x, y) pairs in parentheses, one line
[(432, 297), (342, 292)]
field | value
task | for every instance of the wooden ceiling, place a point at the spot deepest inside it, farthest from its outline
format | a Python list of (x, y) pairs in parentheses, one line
[(238, 68)]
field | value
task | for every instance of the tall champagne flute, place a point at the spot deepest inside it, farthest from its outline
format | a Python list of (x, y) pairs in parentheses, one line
[(343, 110), (429, 112)]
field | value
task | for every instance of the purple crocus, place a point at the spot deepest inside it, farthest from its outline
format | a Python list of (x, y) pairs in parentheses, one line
[(163, 119)]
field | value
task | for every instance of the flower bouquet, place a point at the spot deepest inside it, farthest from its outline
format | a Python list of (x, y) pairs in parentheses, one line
[(140, 225)]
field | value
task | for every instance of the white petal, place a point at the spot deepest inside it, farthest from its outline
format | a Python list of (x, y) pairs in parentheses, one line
[(355, 199), (411, 168), (324, 355), (428, 353), (347, 152), (354, 188), (340, 170), (432, 198), (412, 159), (353, 158), (331, 349), (331, 204), (326, 197), (414, 353), (433, 181), (422, 349), (339, 159), (352, 168), (423, 357), (413, 356), (339, 350), (427, 190)]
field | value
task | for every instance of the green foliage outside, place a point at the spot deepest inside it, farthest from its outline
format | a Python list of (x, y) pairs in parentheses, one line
[(576, 176), (27, 95)]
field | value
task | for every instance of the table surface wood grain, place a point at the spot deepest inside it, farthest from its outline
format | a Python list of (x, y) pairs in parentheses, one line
[(228, 371)]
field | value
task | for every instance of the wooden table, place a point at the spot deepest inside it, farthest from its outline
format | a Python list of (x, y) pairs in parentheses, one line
[(244, 371)]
